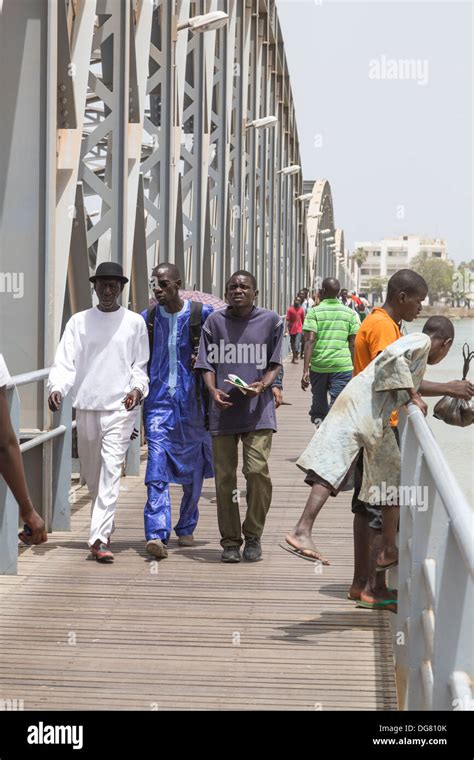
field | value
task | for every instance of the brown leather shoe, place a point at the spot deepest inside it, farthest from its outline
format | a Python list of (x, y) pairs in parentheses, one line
[(157, 549), (186, 540)]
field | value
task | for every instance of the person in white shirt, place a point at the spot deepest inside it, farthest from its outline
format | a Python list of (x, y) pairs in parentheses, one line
[(307, 302), (11, 468), (102, 357), (345, 298)]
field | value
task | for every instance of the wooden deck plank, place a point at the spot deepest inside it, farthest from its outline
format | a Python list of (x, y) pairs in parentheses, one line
[(170, 639)]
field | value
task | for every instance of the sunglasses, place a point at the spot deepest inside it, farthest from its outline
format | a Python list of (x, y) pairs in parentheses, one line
[(156, 283)]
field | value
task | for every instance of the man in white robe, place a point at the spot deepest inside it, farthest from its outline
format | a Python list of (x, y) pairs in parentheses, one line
[(102, 358)]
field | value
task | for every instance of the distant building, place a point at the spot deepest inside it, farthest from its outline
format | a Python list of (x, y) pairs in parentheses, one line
[(391, 254)]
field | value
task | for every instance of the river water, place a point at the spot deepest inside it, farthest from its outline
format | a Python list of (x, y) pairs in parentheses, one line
[(456, 443)]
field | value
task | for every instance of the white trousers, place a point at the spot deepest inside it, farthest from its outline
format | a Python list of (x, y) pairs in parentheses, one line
[(102, 441)]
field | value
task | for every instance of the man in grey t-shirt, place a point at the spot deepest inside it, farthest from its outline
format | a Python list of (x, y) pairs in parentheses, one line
[(246, 341)]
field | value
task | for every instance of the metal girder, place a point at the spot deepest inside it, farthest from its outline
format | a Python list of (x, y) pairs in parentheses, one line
[(265, 153), (195, 152), (339, 251), (138, 133), (220, 165), (320, 226), (69, 212), (121, 40), (238, 149)]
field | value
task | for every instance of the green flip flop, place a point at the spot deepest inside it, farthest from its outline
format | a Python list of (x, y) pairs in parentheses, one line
[(384, 604)]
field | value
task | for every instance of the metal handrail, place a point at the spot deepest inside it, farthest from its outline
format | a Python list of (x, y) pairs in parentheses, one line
[(43, 436), (432, 634), (454, 500), (28, 377), (38, 440), (54, 462)]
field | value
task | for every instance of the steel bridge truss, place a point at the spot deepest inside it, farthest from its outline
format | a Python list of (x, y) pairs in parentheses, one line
[(137, 133)]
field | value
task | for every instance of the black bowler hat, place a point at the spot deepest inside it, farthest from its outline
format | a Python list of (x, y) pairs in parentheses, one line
[(109, 269)]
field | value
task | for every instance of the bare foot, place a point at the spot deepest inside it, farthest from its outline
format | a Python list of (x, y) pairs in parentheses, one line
[(358, 591), (355, 590), (378, 586), (379, 594), (379, 601), (305, 545)]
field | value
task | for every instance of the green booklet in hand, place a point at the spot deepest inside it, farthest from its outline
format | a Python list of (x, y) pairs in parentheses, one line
[(240, 384)]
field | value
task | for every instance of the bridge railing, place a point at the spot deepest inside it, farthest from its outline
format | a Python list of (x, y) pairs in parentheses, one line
[(433, 640), (53, 449)]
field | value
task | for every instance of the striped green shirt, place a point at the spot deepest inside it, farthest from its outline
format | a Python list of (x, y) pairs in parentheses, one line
[(333, 323)]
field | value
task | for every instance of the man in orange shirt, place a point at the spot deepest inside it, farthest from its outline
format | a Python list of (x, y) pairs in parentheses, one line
[(405, 292)]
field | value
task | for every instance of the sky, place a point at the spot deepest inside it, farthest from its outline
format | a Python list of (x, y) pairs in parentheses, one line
[(394, 139)]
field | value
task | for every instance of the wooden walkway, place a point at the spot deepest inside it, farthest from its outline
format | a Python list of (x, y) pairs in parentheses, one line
[(196, 634)]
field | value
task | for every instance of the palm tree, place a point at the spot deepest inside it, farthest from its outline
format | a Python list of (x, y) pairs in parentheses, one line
[(376, 287), (360, 256)]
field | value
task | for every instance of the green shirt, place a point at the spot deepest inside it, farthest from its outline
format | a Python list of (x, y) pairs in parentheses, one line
[(333, 323)]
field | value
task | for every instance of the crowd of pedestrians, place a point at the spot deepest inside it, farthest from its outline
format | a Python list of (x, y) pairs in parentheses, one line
[(210, 380)]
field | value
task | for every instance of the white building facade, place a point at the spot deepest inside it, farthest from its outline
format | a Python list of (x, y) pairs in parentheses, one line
[(387, 256)]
